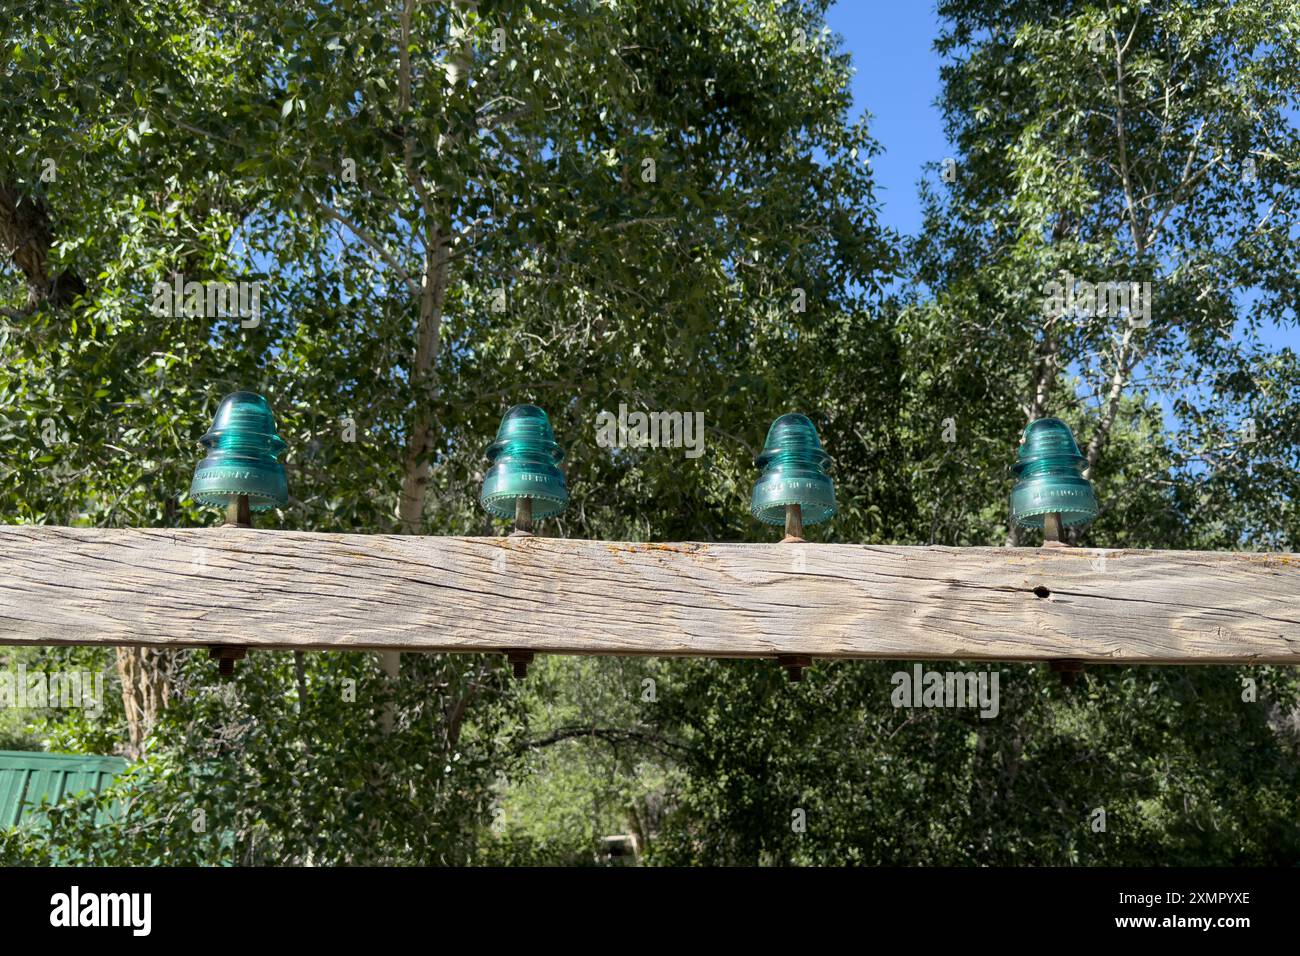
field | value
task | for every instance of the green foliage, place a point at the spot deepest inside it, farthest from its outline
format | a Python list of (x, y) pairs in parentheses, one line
[(664, 204), (15, 730), (1186, 774), (1131, 142), (280, 768), (594, 766)]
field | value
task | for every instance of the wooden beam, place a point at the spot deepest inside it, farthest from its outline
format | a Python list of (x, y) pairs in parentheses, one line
[(280, 589)]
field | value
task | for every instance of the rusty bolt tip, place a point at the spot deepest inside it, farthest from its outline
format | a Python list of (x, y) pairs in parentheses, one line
[(520, 660), (238, 513), (793, 524), (226, 657), (1069, 671), (523, 518), (1054, 531), (794, 665)]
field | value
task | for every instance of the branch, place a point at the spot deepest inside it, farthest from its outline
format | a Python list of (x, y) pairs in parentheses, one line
[(372, 243), (1123, 365), (456, 716), (613, 735), (1138, 234), (1184, 182)]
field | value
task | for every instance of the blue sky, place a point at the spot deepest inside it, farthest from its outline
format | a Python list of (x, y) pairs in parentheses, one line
[(897, 82)]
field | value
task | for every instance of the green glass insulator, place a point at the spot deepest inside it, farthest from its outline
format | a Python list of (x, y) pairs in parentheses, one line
[(794, 473), (1049, 477), (524, 459), (242, 450)]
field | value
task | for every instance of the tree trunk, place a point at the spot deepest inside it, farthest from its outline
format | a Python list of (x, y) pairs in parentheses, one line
[(1118, 382), (145, 675), (417, 465), (26, 237), (1044, 378)]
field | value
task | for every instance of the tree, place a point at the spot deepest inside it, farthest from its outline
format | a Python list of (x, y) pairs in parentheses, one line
[(1107, 144), (455, 208), (449, 209), (1130, 143)]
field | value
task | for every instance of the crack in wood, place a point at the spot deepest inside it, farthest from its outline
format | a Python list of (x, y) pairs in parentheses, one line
[(393, 592)]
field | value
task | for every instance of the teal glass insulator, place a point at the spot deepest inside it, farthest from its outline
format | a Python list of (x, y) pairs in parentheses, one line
[(243, 449), (1049, 477), (524, 461), (794, 473)]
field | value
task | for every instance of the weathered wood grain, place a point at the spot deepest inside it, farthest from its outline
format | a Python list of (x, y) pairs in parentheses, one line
[(335, 591)]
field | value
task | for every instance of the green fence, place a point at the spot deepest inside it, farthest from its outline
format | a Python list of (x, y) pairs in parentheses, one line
[(28, 779)]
